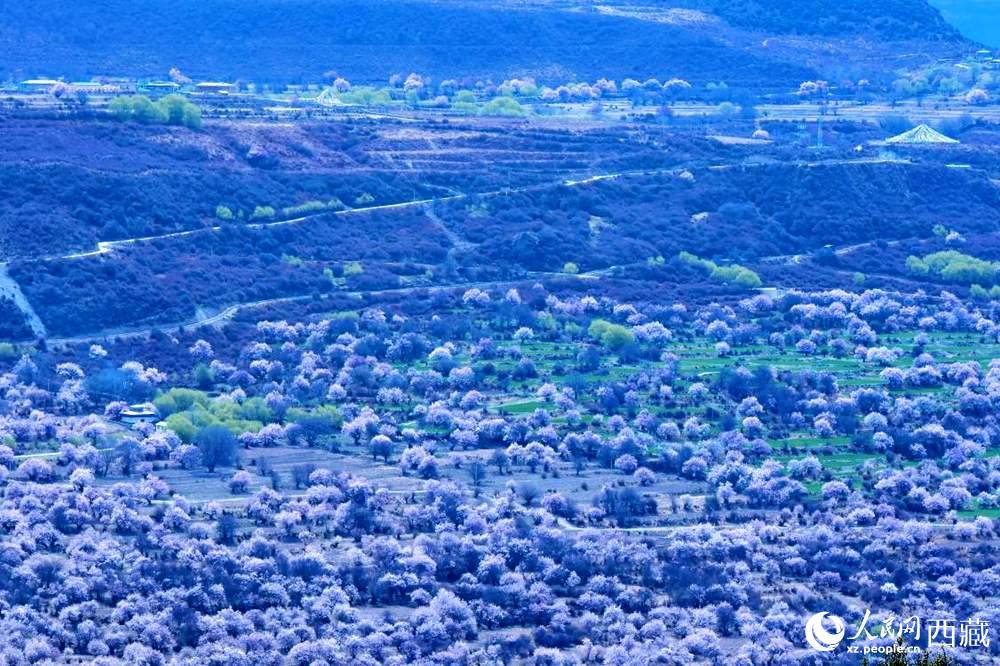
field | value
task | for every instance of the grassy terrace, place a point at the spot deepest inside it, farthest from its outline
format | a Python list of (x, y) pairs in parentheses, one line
[(555, 361), (699, 361)]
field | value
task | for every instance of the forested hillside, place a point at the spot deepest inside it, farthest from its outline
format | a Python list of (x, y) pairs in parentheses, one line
[(304, 39), (888, 19)]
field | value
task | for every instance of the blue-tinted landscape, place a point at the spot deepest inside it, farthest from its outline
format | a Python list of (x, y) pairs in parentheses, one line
[(976, 19), (529, 333)]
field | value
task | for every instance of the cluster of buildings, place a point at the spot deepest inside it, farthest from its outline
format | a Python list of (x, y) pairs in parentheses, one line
[(111, 87), (988, 58)]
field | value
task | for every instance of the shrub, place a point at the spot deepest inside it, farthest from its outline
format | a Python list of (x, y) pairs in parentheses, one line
[(953, 266), (263, 213), (503, 106), (734, 274), (610, 335), (171, 110), (218, 446)]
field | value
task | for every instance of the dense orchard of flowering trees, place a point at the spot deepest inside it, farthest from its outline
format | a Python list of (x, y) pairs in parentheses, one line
[(511, 475)]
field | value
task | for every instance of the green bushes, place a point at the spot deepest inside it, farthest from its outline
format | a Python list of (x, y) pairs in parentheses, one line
[(263, 212), (953, 266), (503, 106), (180, 111), (312, 206), (981, 293), (735, 274), (465, 101), (188, 411), (612, 336), (171, 110), (366, 96), (179, 400)]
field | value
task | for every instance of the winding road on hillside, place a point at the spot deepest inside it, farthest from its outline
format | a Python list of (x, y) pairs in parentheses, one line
[(10, 286), (104, 247), (230, 311), (227, 313), (802, 257)]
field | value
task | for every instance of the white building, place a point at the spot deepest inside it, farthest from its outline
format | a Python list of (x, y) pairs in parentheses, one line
[(144, 412)]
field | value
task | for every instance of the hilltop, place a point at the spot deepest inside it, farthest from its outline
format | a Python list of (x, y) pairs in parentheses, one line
[(887, 19), (302, 40)]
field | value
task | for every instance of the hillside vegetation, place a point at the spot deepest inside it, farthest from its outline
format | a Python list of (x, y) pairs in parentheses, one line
[(888, 19), (367, 42), (554, 42), (65, 186), (467, 372), (727, 218)]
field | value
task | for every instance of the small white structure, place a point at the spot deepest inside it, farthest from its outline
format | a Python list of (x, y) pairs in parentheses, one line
[(39, 85), (921, 135), (144, 412), (161, 87), (215, 87), (328, 97), (97, 88)]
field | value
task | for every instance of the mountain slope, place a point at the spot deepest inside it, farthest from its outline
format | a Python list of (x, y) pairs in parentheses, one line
[(887, 19), (553, 40), (302, 39)]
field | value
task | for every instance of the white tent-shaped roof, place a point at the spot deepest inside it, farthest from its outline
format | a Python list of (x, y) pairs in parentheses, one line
[(921, 134)]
